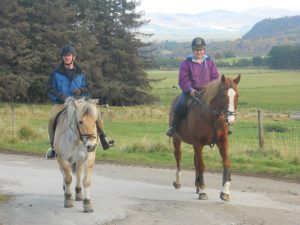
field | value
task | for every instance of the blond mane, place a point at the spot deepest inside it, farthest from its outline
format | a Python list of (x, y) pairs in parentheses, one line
[(79, 108)]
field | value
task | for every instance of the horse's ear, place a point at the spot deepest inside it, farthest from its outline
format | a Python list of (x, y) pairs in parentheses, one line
[(95, 101), (223, 78), (237, 79)]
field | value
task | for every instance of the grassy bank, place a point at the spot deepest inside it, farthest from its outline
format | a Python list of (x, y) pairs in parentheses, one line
[(140, 130)]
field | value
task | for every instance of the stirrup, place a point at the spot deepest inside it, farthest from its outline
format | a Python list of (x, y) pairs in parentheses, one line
[(50, 154)]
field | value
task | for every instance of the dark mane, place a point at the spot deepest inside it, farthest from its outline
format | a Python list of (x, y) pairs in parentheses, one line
[(212, 88), (210, 91)]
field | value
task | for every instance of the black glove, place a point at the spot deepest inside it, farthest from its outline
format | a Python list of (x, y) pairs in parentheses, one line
[(77, 92)]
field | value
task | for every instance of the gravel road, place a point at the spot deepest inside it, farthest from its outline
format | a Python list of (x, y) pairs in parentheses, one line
[(125, 195)]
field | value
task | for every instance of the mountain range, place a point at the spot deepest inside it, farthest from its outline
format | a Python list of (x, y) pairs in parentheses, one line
[(216, 25)]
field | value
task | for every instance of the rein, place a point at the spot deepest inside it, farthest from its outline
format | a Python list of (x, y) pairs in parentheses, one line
[(214, 112)]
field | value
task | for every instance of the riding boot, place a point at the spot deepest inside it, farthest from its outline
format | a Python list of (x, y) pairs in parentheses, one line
[(178, 112), (175, 123), (106, 142), (51, 154)]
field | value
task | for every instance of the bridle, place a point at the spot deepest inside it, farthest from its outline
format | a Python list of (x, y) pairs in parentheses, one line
[(214, 112), (83, 137)]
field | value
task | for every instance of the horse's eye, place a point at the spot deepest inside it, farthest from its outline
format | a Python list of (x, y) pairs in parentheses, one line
[(80, 122)]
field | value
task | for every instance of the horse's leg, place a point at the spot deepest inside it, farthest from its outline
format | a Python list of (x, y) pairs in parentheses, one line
[(78, 189), (65, 168), (199, 168), (224, 152), (196, 173), (177, 154), (88, 170)]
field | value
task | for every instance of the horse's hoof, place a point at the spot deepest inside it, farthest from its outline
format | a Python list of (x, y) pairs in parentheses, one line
[(224, 197), (68, 204), (78, 197), (87, 206), (68, 201), (177, 186), (203, 196)]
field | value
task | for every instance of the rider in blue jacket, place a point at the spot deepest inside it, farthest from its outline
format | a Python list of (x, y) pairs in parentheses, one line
[(68, 80)]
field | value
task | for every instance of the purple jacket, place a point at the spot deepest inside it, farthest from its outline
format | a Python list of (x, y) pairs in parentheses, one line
[(193, 75)]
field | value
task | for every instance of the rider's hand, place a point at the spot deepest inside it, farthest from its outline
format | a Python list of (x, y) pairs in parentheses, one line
[(62, 97), (77, 92), (193, 92)]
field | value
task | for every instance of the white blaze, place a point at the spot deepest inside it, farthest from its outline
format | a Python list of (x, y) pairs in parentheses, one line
[(231, 94)]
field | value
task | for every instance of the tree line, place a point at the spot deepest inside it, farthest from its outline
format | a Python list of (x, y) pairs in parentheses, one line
[(105, 34), (279, 57)]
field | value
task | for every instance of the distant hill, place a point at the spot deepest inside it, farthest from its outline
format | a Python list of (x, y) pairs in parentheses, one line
[(268, 28), (258, 41), (212, 25), (262, 37)]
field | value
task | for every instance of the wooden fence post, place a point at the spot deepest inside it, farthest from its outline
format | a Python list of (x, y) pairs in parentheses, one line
[(260, 130)]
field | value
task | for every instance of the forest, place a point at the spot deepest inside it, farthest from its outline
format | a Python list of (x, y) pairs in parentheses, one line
[(104, 33)]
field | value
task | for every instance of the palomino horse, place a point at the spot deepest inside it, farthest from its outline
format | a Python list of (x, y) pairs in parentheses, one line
[(75, 141), (207, 124)]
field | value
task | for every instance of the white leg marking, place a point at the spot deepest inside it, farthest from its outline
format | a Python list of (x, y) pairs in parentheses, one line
[(86, 193), (225, 188)]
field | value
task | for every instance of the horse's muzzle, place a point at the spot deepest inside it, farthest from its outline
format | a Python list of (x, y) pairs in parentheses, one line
[(90, 147), (230, 117)]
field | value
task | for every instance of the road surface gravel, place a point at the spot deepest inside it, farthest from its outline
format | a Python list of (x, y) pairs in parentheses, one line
[(128, 195)]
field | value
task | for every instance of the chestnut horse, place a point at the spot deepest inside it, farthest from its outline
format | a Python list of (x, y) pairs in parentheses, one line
[(75, 141), (206, 123)]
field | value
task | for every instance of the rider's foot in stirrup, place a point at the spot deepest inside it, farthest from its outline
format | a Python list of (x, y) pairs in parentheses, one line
[(171, 131), (51, 154), (106, 142)]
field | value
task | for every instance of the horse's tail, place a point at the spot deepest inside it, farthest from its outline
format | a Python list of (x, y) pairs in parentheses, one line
[(74, 167)]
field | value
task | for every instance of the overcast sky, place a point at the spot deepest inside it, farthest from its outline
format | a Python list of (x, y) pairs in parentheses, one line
[(197, 6)]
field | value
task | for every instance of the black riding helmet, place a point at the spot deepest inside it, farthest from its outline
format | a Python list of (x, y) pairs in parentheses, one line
[(198, 42), (67, 49)]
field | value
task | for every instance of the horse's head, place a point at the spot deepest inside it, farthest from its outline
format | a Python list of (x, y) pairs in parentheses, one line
[(85, 119), (229, 96)]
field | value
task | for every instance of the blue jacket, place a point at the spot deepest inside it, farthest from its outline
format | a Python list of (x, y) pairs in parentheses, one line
[(62, 82)]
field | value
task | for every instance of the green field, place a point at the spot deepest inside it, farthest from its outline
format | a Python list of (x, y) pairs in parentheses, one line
[(140, 130), (270, 90)]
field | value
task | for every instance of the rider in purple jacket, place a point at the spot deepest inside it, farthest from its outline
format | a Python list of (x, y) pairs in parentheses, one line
[(194, 73)]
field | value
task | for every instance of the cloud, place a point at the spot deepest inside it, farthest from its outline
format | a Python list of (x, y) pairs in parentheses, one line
[(196, 6)]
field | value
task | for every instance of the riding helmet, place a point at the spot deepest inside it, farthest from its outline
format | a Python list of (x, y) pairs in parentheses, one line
[(198, 42), (68, 49)]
